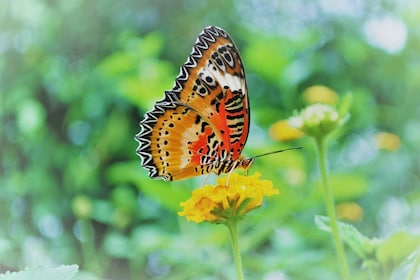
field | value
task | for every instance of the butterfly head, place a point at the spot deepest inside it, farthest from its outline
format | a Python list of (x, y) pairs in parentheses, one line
[(245, 163)]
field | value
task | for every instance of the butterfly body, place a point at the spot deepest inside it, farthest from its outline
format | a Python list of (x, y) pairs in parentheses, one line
[(202, 124)]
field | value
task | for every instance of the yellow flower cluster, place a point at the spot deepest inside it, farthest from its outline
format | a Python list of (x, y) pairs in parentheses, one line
[(228, 199)]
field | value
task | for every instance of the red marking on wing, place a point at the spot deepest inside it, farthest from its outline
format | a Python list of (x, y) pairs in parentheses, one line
[(200, 147)]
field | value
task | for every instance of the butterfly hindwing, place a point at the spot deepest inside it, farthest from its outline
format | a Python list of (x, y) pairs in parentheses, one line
[(184, 141), (202, 124)]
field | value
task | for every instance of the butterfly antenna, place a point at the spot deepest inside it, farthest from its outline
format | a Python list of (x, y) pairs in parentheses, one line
[(278, 151)]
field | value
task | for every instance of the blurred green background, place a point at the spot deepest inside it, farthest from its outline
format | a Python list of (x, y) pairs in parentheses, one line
[(77, 76)]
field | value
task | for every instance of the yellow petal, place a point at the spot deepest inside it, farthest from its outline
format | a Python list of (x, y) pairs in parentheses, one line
[(320, 94)]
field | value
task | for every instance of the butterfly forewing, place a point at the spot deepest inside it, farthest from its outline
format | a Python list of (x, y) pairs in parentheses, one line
[(202, 124)]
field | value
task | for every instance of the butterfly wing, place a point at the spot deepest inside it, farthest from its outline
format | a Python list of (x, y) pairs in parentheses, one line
[(204, 121)]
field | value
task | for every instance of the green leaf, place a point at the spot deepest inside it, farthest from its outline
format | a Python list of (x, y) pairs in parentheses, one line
[(345, 104), (322, 223), (360, 244), (152, 45), (397, 248), (118, 63), (388, 253), (62, 272), (153, 78)]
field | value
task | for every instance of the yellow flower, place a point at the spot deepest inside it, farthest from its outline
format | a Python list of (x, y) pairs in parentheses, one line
[(228, 200), (320, 94), (350, 211), (282, 131), (387, 141)]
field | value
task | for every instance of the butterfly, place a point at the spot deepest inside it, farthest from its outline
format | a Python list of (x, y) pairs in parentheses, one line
[(202, 124)]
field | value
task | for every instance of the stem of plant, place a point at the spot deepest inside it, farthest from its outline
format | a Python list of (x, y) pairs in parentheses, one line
[(233, 230), (88, 246), (330, 206), (371, 273)]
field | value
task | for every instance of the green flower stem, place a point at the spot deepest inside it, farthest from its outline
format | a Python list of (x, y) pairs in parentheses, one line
[(415, 266), (233, 230), (330, 205), (373, 275), (88, 246)]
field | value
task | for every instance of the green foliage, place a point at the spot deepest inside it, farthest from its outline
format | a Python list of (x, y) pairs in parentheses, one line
[(381, 256), (64, 272), (76, 78)]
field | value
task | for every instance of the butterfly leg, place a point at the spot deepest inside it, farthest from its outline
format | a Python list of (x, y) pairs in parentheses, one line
[(228, 178), (232, 168), (206, 179)]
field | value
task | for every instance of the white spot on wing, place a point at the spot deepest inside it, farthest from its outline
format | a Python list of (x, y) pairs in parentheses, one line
[(225, 79)]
